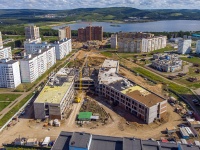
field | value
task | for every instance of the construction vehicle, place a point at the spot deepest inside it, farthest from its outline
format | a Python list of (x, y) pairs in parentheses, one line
[(79, 94)]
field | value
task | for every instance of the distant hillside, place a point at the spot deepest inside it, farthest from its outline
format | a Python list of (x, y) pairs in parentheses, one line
[(9, 16)]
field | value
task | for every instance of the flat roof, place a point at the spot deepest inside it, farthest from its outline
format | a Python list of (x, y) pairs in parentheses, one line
[(80, 139), (140, 94), (53, 94), (110, 63), (84, 115)]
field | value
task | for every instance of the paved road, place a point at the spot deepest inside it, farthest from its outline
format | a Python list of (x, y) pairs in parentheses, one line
[(24, 94)]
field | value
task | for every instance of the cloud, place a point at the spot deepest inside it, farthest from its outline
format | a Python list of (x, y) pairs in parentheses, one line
[(70, 4)]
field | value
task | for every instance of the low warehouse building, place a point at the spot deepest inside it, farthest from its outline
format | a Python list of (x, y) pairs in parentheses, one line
[(87, 141)]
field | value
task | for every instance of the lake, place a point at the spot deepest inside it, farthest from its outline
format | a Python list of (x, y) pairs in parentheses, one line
[(156, 26)]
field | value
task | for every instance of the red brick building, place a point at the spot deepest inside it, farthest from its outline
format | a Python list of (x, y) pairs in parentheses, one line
[(90, 33)]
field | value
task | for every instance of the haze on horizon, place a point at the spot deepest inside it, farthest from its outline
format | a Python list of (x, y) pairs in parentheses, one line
[(71, 4)]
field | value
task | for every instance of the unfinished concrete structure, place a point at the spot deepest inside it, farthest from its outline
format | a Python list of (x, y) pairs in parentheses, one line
[(120, 91), (56, 96), (137, 42), (167, 62)]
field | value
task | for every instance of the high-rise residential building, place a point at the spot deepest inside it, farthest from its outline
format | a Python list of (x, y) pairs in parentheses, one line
[(184, 46), (137, 42), (5, 52), (1, 41), (9, 73), (90, 33), (113, 41), (198, 47), (32, 32), (64, 32), (34, 65), (62, 48)]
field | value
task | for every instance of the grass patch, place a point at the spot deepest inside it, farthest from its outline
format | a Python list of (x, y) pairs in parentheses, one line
[(195, 60), (107, 54), (162, 50), (9, 97), (3, 105), (14, 109), (174, 87)]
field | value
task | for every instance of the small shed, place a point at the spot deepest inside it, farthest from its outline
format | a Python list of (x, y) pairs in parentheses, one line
[(84, 116), (170, 130), (94, 118)]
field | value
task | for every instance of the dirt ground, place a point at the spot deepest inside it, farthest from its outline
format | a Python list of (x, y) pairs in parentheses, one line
[(139, 80), (117, 126)]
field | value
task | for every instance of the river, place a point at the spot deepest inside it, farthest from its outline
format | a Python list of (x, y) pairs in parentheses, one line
[(156, 26)]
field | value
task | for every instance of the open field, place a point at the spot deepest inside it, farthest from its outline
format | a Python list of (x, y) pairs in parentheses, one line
[(191, 60), (14, 109), (6, 99)]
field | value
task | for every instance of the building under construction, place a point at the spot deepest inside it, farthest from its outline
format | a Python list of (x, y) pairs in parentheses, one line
[(90, 33), (56, 96), (118, 90), (137, 42)]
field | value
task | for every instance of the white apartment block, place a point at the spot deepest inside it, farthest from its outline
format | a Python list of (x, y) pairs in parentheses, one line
[(62, 48), (1, 41), (9, 73), (184, 46), (32, 32), (141, 45), (113, 41), (5, 53), (33, 66), (198, 47)]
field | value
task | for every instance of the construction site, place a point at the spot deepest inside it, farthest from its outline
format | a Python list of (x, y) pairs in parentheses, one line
[(96, 112)]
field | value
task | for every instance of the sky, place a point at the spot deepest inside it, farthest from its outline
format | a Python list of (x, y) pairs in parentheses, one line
[(71, 4)]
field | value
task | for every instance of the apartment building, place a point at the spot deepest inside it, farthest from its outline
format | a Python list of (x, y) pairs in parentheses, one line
[(138, 42), (118, 90), (64, 32), (32, 32), (184, 46), (56, 96), (1, 41), (90, 33), (198, 47), (9, 73), (5, 52), (62, 48), (33, 45), (34, 65), (113, 41), (167, 62), (71, 141)]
